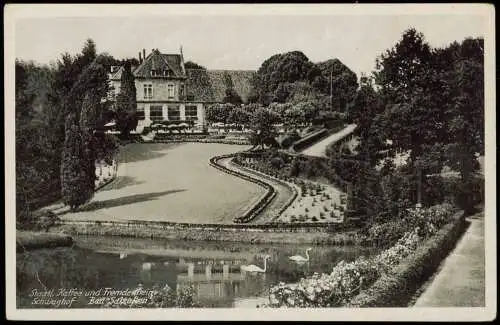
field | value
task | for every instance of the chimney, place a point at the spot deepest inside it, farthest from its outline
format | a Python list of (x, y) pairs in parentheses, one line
[(144, 54), (140, 57)]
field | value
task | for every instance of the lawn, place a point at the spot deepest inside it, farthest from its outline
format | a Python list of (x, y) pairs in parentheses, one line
[(171, 182)]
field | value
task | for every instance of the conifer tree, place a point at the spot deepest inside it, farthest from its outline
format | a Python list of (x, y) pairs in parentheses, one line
[(73, 176), (126, 102)]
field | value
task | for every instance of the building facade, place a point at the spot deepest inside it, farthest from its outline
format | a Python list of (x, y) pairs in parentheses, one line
[(167, 91)]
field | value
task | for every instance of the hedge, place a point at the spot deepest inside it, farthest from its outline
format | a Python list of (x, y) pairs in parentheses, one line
[(27, 240), (398, 287), (309, 140)]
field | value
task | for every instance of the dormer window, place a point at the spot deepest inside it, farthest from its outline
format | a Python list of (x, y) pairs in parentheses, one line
[(153, 73)]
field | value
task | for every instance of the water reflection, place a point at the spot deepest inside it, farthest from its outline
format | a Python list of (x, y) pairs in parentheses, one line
[(213, 269)]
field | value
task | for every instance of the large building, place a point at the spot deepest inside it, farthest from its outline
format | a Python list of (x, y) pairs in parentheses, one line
[(167, 91)]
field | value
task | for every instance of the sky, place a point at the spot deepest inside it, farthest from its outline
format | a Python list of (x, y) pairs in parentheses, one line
[(240, 42)]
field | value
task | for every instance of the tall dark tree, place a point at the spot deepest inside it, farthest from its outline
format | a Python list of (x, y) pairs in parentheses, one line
[(126, 102), (74, 178), (408, 88), (88, 121)]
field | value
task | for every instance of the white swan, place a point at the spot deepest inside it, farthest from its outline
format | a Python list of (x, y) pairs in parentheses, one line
[(301, 259), (123, 255), (255, 268)]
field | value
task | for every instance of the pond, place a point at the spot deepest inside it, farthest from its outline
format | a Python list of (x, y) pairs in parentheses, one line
[(211, 268)]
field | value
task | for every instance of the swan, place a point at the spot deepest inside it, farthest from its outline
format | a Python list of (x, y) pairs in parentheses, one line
[(123, 255), (255, 268), (301, 259)]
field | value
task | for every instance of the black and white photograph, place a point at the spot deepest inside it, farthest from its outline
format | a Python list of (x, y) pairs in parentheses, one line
[(250, 161)]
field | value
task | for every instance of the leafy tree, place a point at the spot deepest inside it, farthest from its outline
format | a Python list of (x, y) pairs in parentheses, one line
[(465, 111), (271, 78), (126, 102), (335, 76), (408, 86), (262, 125), (193, 65), (232, 97), (219, 113), (239, 116)]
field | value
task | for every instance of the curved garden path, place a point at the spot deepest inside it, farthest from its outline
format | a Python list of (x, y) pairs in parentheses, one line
[(283, 193)]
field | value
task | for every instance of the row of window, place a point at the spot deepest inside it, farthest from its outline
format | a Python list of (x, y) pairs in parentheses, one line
[(148, 91), (173, 111)]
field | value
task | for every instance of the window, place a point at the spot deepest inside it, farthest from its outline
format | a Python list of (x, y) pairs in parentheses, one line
[(182, 91), (174, 113), (140, 113), (191, 113), (148, 91), (156, 113), (171, 91)]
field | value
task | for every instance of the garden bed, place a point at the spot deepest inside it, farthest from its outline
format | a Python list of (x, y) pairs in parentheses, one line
[(398, 287)]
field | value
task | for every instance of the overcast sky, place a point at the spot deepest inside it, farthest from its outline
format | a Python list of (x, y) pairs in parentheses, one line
[(239, 42)]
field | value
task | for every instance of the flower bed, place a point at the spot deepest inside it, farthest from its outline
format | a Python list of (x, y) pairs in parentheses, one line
[(348, 280), (311, 202)]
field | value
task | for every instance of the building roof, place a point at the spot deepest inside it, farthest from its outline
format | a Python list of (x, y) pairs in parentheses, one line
[(210, 85), (160, 62)]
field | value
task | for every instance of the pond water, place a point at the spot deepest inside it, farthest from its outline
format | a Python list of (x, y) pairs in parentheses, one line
[(211, 268)]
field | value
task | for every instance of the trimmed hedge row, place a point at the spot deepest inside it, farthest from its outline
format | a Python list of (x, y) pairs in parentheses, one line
[(261, 204), (309, 140), (397, 288), (223, 141), (27, 240)]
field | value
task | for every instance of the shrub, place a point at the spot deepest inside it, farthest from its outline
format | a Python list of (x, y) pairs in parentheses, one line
[(40, 220), (314, 219)]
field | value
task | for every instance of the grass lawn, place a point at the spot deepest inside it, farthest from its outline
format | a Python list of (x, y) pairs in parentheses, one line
[(171, 182)]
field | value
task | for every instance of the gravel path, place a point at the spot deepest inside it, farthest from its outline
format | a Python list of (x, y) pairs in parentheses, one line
[(460, 281), (283, 193)]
